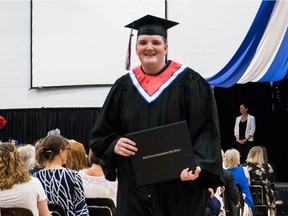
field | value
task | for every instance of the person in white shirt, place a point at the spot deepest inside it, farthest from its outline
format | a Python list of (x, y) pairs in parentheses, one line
[(94, 181), (244, 130), (17, 187)]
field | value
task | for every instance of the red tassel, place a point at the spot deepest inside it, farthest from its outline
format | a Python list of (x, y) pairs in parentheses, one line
[(128, 56)]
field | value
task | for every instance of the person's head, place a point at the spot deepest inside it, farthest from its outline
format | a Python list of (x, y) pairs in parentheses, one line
[(40, 161), (232, 158), (12, 170), (14, 141), (92, 158), (151, 46), (77, 158), (255, 155), (27, 155), (53, 147), (244, 108)]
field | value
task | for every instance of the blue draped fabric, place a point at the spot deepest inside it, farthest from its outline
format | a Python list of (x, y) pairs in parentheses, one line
[(241, 60), (279, 68)]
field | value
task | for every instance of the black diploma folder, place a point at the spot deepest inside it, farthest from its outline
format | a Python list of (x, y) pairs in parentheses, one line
[(163, 152)]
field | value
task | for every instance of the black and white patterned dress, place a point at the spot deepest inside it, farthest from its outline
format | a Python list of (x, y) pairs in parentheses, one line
[(64, 187)]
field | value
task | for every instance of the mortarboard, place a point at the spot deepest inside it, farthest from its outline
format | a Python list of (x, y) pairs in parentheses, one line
[(148, 25), (152, 25)]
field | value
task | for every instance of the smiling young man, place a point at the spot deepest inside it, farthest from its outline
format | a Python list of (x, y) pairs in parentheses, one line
[(151, 50), (156, 93)]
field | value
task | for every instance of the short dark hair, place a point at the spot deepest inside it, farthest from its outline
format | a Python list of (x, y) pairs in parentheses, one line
[(245, 105), (92, 158)]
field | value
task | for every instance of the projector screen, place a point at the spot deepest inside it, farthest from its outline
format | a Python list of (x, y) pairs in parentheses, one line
[(84, 42)]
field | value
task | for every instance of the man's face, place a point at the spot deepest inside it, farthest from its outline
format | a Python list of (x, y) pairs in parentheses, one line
[(151, 49)]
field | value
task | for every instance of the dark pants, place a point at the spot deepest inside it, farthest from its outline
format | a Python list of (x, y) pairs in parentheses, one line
[(244, 150)]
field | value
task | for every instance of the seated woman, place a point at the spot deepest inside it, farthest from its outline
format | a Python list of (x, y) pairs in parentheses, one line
[(40, 162), (62, 186), (261, 173), (95, 183), (17, 187), (77, 158), (240, 174), (27, 155)]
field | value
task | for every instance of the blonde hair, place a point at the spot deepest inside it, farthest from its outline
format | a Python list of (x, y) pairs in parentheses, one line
[(232, 158), (12, 170), (255, 155), (27, 155), (77, 158)]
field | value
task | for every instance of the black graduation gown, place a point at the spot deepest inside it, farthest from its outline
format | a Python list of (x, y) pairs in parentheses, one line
[(186, 96)]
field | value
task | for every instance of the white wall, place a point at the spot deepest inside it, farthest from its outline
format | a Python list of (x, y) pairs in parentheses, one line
[(15, 67), (15, 51)]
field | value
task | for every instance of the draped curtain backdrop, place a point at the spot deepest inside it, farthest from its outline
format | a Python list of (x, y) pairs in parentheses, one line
[(28, 125)]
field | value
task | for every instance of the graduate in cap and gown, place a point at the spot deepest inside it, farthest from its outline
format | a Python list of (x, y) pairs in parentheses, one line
[(158, 92)]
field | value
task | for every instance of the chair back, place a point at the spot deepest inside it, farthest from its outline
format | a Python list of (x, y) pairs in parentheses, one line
[(56, 209), (257, 194), (259, 198), (15, 211), (99, 205), (99, 211)]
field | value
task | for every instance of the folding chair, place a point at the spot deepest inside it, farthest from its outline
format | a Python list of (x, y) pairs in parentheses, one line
[(258, 196), (15, 211), (101, 207), (56, 209)]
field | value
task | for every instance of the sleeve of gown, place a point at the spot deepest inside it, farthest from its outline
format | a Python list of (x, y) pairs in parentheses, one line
[(105, 133), (205, 135)]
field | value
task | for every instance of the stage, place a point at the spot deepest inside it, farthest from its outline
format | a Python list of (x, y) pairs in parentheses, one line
[(282, 198)]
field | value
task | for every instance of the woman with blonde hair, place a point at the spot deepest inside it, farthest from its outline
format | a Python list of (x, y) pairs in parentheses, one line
[(240, 174), (261, 173), (17, 187)]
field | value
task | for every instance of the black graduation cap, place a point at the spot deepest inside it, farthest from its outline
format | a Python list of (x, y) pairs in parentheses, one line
[(148, 25), (152, 25)]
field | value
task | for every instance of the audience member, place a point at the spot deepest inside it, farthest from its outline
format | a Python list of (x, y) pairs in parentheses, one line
[(77, 158), (14, 141), (40, 162), (95, 183), (17, 187), (229, 191), (214, 203), (27, 155), (240, 174), (62, 186), (261, 173), (244, 130)]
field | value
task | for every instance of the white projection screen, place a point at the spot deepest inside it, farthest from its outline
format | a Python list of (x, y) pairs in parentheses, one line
[(82, 42)]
